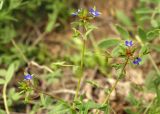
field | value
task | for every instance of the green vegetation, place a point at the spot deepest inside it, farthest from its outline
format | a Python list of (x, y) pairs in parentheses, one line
[(24, 30)]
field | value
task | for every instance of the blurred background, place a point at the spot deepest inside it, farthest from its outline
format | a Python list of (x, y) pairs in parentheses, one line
[(36, 36)]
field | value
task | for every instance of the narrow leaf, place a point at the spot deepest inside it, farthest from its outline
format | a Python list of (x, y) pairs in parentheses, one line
[(10, 73), (142, 34), (107, 43), (124, 33), (2, 81)]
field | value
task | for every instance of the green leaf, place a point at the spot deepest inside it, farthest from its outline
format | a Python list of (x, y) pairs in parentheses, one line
[(1, 4), (59, 63), (144, 50), (2, 81), (10, 72), (89, 28), (2, 111), (154, 23), (93, 83), (155, 47), (14, 4), (51, 22), (2, 72), (60, 109), (133, 100), (124, 19), (142, 34), (124, 33), (144, 11), (84, 107), (153, 34), (106, 43), (43, 101), (13, 94)]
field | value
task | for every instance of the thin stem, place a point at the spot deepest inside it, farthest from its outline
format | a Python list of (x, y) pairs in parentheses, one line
[(20, 52), (81, 66), (147, 108), (52, 96), (115, 84), (48, 94), (5, 99)]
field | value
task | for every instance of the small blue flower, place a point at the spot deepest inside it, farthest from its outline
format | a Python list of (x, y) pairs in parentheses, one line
[(129, 43), (28, 77), (137, 61), (94, 12), (76, 13)]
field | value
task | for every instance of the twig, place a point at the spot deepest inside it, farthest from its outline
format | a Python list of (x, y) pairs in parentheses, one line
[(40, 37), (64, 91), (41, 66)]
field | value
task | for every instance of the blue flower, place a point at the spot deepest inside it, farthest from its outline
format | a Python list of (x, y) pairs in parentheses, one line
[(94, 12), (76, 13), (28, 77), (137, 61), (129, 43)]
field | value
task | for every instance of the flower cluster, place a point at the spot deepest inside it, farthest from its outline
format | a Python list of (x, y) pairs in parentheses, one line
[(92, 11), (137, 61), (129, 44), (28, 77)]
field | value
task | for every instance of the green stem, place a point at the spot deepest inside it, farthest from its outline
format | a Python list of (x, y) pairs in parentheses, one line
[(147, 109), (81, 66), (5, 98), (52, 96), (20, 52), (115, 84)]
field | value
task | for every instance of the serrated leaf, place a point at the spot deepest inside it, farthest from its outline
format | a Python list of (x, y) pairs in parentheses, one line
[(108, 43), (10, 73), (124, 33)]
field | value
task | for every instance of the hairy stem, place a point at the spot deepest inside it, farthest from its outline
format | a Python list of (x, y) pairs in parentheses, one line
[(5, 99), (81, 66), (115, 84)]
